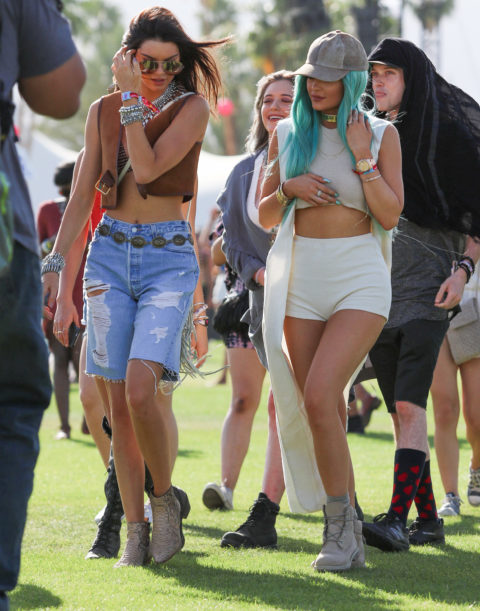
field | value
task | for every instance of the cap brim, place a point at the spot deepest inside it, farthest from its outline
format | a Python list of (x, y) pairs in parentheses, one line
[(376, 61), (321, 72)]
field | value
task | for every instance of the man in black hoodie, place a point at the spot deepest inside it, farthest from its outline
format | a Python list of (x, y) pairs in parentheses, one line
[(439, 127)]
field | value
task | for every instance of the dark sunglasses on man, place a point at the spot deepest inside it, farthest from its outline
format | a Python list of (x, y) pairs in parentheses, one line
[(169, 66)]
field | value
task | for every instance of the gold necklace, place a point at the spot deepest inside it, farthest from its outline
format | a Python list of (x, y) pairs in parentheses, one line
[(328, 118)]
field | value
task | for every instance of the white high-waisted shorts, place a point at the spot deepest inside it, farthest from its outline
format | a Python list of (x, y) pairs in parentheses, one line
[(328, 275)]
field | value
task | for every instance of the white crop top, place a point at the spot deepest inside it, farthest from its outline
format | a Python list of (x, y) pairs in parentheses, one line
[(333, 161)]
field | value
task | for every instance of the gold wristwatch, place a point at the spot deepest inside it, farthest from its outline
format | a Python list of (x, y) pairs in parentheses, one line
[(365, 165)]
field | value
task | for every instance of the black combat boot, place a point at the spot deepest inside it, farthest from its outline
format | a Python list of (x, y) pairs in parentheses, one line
[(107, 541), (259, 529)]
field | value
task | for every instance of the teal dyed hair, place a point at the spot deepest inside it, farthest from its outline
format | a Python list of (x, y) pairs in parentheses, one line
[(302, 141)]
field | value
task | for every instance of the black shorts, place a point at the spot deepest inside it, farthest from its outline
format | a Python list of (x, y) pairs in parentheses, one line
[(404, 359)]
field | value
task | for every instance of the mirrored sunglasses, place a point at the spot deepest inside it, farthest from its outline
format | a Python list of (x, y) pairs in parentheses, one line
[(169, 66)]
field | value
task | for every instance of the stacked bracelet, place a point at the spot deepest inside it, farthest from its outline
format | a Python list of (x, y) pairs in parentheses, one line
[(199, 316), (282, 199), (466, 263), (131, 114), (54, 262)]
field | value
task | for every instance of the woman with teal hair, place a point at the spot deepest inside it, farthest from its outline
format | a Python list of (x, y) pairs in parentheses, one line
[(335, 185)]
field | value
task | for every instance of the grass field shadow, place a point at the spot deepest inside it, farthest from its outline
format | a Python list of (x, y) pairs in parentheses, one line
[(271, 589), (443, 572), (28, 596)]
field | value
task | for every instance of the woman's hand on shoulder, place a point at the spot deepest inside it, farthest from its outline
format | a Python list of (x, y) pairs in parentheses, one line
[(359, 133)]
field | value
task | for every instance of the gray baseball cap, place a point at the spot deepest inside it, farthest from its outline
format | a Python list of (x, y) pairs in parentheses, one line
[(334, 55)]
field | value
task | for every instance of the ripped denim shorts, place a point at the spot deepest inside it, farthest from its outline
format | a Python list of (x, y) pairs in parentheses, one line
[(138, 287)]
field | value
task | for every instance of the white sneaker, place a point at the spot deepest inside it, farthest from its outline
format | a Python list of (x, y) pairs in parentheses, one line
[(147, 512), (451, 506), (99, 515), (473, 491), (217, 497)]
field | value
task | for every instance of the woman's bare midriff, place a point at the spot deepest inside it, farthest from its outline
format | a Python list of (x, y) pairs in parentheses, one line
[(331, 222), (132, 208)]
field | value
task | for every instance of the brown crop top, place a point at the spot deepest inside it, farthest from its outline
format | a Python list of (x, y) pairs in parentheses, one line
[(179, 180)]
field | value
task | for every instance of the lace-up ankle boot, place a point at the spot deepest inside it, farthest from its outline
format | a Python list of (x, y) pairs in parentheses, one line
[(359, 561), (107, 541), (340, 547), (136, 548), (259, 528), (167, 536)]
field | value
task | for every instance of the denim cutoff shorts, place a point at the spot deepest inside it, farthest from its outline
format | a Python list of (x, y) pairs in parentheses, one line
[(138, 286)]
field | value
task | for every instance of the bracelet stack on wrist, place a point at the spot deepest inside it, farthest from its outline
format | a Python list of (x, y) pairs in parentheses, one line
[(54, 262), (199, 316), (129, 95), (282, 199), (466, 263), (131, 114)]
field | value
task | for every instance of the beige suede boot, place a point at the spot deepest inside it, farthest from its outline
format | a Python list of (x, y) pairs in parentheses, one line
[(167, 537), (136, 548), (339, 544), (359, 561)]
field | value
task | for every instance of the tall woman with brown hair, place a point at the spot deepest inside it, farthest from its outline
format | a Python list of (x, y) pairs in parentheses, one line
[(141, 151)]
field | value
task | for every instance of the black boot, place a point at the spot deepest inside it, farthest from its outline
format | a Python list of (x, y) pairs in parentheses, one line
[(107, 541), (259, 529)]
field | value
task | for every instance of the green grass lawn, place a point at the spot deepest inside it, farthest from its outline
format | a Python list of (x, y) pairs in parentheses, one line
[(69, 492)]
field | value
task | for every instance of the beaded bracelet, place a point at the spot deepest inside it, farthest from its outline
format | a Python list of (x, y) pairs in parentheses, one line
[(54, 262)]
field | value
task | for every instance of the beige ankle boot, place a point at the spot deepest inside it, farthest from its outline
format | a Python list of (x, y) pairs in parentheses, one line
[(359, 561), (339, 544), (167, 537), (136, 548)]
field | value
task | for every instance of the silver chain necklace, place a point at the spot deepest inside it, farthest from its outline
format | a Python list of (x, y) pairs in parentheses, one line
[(170, 93)]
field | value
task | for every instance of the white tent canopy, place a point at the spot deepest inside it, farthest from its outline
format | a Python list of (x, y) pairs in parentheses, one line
[(43, 155)]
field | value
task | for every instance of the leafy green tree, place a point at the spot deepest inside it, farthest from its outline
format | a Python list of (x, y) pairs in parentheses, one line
[(218, 19), (97, 29)]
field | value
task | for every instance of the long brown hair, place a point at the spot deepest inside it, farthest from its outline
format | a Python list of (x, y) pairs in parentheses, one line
[(257, 137), (159, 23)]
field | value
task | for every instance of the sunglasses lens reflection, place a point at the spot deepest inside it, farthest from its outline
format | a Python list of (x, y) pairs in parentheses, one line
[(172, 67), (169, 67), (148, 65)]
